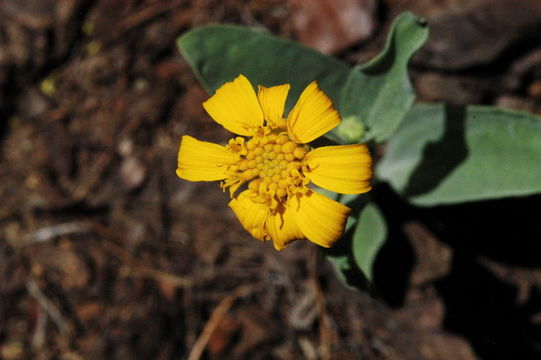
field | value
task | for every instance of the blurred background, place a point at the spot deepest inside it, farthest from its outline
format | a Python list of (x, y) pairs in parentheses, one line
[(106, 254)]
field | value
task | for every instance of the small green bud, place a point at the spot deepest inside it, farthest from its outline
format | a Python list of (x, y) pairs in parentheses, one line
[(352, 129)]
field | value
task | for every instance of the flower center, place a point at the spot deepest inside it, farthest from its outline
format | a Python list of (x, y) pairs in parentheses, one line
[(271, 163)]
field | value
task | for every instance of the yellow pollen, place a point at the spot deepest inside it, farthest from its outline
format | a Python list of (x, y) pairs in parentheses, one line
[(263, 186), (299, 153), (294, 165), (270, 164), (289, 147), (254, 185), (283, 183), (243, 166)]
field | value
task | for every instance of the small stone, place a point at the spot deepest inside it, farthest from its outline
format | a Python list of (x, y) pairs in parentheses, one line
[(534, 90), (132, 173)]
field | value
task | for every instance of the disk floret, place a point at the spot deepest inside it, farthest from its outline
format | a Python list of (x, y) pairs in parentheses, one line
[(271, 163)]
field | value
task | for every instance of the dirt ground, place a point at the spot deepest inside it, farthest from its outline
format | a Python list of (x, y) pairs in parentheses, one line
[(106, 254)]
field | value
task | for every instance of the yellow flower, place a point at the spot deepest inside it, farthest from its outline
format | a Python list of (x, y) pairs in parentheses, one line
[(277, 164)]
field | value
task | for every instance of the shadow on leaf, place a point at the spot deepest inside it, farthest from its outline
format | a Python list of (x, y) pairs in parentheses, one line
[(341, 254), (441, 157)]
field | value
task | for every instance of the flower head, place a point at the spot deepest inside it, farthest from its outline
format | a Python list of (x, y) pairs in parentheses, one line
[(275, 163)]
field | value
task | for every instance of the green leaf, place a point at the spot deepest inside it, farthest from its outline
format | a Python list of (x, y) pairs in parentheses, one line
[(379, 93), (353, 256), (219, 53), (370, 234), (443, 154)]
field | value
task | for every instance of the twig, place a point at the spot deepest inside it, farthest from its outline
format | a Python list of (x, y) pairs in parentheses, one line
[(48, 307), (325, 331), (103, 161), (308, 349), (217, 315), (159, 276), (50, 232), (38, 338), (134, 266), (147, 14)]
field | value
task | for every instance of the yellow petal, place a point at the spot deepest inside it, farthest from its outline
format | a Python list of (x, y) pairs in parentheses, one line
[(345, 169), (251, 215), (312, 116), (235, 107), (273, 100), (202, 161), (319, 218), (282, 228)]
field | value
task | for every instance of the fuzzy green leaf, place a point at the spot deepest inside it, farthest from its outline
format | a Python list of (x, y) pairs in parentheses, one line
[(354, 255), (379, 93), (219, 53), (444, 154), (369, 236)]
